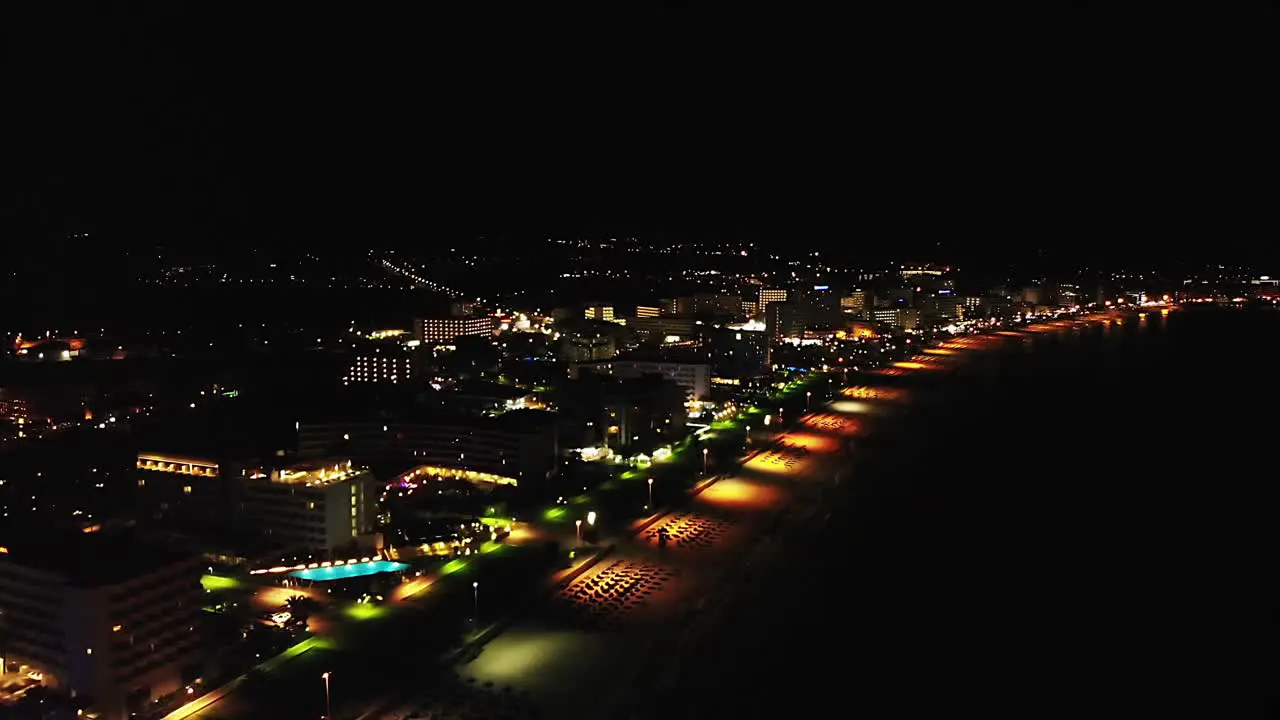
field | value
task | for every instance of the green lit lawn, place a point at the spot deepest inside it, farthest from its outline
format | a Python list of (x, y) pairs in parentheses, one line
[(364, 611), (219, 583), (455, 565), (684, 452)]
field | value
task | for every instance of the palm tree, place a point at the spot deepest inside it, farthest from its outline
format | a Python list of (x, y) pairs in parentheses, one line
[(302, 607)]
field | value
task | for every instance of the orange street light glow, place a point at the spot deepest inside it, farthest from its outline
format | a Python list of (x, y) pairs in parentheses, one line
[(888, 372), (777, 463), (810, 442), (831, 423), (865, 392), (407, 590), (741, 493), (938, 351), (912, 366), (852, 407)]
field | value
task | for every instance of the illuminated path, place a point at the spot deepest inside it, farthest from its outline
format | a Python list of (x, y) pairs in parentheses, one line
[(195, 708)]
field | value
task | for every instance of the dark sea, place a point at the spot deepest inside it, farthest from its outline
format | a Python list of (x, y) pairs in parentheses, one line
[(1076, 527)]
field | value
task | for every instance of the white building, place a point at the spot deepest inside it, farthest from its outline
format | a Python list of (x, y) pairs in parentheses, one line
[(105, 619), (320, 505), (695, 378), (905, 318), (380, 368), (444, 330)]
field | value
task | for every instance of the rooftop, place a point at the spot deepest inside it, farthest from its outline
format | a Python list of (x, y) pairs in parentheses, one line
[(317, 473), (92, 559)]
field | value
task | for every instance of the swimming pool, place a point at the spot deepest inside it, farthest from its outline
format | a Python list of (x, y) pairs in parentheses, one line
[(345, 572)]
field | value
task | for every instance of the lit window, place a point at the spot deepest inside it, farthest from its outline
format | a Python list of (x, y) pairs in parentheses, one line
[(186, 489)]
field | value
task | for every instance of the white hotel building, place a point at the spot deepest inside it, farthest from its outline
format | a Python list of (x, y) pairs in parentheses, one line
[(320, 505)]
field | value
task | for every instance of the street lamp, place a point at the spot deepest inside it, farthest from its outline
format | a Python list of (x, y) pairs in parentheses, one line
[(807, 397), (577, 524), (591, 518), (328, 713), (475, 597), (704, 461), (650, 492)]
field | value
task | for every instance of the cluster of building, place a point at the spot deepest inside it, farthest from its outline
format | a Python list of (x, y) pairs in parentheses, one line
[(110, 614)]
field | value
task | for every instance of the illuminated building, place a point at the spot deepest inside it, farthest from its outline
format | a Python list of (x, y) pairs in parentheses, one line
[(12, 408), (102, 617), (770, 295), (195, 494), (924, 271), (49, 349), (319, 505), (645, 311), (661, 327), (694, 377), (519, 444), (716, 304), (856, 300), (444, 330), (380, 367), (703, 304), (599, 312), (899, 317)]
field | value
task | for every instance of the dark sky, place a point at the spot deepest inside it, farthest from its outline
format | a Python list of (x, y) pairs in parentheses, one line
[(983, 130)]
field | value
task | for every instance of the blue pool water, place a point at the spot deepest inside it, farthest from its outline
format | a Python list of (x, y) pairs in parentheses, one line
[(344, 572)]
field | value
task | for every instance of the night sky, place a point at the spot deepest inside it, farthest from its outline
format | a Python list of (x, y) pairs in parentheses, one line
[(1087, 133)]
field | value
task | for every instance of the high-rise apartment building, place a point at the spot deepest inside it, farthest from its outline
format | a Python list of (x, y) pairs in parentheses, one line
[(784, 319), (770, 295), (855, 300)]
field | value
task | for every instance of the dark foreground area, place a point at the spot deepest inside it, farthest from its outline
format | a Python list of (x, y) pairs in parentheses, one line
[(1078, 531)]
